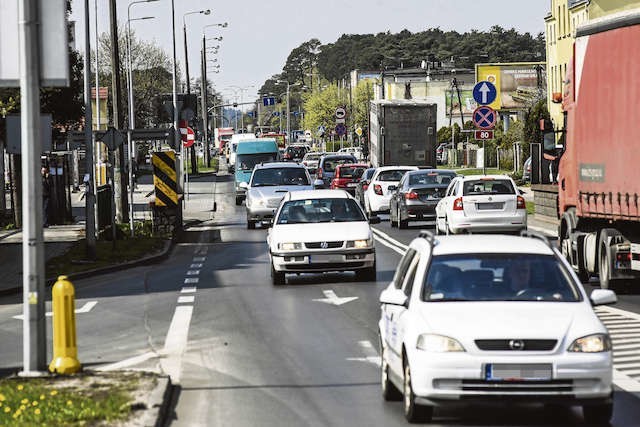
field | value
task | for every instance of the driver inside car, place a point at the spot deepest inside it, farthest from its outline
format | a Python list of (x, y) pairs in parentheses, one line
[(518, 277)]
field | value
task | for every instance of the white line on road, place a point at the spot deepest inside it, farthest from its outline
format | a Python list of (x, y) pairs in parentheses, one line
[(333, 299), (389, 242), (197, 265), (186, 299), (193, 272), (176, 342), (199, 259), (127, 362), (188, 289), (87, 307), (191, 280)]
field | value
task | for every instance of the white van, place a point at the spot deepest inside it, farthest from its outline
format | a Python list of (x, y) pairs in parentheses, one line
[(233, 146)]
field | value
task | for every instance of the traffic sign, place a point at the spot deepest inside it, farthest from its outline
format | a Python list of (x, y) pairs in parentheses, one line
[(484, 117), (341, 129), (484, 93), (483, 135), (187, 134), (268, 100), (359, 131), (341, 113), (321, 129)]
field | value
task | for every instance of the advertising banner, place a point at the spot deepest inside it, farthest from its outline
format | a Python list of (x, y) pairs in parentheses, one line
[(468, 103), (518, 84)]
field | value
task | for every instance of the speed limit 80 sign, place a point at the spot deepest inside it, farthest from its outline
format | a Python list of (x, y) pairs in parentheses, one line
[(483, 135)]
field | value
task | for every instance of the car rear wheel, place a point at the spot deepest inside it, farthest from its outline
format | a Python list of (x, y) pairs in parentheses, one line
[(251, 225), (413, 412), (277, 277), (598, 414), (402, 224), (238, 201), (392, 221)]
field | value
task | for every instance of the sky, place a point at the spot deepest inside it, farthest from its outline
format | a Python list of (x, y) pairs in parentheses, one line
[(261, 34)]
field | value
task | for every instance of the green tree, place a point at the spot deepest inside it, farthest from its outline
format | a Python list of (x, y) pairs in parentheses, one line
[(531, 127), (320, 107), (360, 107)]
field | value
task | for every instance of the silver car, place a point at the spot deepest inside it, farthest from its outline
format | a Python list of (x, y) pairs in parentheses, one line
[(268, 185)]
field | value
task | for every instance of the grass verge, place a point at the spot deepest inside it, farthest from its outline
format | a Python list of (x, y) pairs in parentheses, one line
[(76, 400), (75, 259), (531, 208)]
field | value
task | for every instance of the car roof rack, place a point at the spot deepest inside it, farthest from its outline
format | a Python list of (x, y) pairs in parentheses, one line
[(428, 236), (536, 235)]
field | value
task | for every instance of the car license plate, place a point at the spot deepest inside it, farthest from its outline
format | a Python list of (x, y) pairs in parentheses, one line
[(323, 259), (489, 206), (352, 184), (518, 372)]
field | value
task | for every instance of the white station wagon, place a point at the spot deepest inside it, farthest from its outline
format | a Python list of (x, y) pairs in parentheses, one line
[(321, 231), (492, 319)]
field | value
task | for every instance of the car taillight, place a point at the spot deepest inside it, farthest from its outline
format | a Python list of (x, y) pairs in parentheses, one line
[(521, 203), (364, 187), (457, 204), (340, 182), (411, 196), (377, 189), (319, 173)]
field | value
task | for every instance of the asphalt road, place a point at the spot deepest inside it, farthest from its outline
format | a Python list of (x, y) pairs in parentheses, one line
[(245, 353)]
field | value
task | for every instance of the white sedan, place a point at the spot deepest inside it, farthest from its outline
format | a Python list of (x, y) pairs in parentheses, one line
[(384, 182), (321, 231), (492, 319), (481, 203)]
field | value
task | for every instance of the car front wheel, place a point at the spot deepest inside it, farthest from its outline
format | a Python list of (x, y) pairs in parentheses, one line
[(277, 277), (413, 412)]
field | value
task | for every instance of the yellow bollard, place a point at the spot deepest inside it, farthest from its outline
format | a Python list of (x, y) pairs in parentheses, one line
[(65, 350)]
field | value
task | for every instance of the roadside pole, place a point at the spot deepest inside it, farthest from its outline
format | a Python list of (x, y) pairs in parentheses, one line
[(34, 350), (90, 190)]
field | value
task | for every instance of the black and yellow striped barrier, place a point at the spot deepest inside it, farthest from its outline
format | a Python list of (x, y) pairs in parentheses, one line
[(165, 178)]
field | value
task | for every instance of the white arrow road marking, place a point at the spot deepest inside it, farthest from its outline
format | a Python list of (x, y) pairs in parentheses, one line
[(333, 299), (484, 90), (84, 309)]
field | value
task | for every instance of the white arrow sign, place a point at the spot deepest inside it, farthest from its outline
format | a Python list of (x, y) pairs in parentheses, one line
[(333, 299), (84, 309), (484, 90)]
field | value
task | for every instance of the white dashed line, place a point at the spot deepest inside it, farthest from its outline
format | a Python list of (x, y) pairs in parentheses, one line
[(186, 299), (188, 289), (199, 259), (193, 273), (198, 265), (191, 280)]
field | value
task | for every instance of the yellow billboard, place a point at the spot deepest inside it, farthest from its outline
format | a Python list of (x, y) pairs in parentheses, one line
[(518, 84)]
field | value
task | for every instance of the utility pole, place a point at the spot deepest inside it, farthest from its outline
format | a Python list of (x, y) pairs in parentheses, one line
[(120, 193), (34, 350), (203, 102), (90, 195)]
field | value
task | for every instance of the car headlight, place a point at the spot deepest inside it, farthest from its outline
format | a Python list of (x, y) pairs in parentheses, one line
[(360, 244), (290, 246), (596, 343), (438, 344)]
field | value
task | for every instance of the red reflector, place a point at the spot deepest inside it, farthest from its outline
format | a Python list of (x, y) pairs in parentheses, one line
[(364, 187), (319, 173), (377, 189)]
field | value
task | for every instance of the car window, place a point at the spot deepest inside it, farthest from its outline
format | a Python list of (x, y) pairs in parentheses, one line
[(329, 165), (392, 175), (498, 277), (369, 173), (269, 177), (401, 271), (407, 286), (248, 161), (351, 172), (427, 178), (487, 186), (311, 211)]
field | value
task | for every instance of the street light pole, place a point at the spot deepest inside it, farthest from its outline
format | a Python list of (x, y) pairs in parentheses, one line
[(186, 57), (176, 135)]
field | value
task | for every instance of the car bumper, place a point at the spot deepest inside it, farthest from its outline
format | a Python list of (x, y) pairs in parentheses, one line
[(459, 223), (260, 214), (322, 261), (379, 203), (419, 211), (448, 377)]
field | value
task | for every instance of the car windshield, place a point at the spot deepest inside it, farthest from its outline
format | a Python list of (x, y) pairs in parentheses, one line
[(270, 177), (313, 156), (329, 165), (392, 175), (487, 186), (248, 161), (427, 178), (311, 211), (350, 172), (498, 277)]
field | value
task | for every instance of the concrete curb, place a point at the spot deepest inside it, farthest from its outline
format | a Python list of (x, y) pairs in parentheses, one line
[(158, 404)]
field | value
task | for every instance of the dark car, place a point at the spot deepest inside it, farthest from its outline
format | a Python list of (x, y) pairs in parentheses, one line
[(294, 153), (417, 195), (327, 167), (363, 184), (347, 176)]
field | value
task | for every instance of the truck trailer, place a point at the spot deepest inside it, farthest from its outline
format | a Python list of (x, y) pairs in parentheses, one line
[(598, 185), (402, 132)]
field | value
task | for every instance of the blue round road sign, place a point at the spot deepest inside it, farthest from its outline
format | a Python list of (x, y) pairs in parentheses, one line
[(484, 93), (341, 129), (484, 118)]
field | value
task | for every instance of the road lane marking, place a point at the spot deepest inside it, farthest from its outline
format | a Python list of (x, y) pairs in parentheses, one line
[(333, 299), (188, 289), (382, 238), (371, 355), (198, 265), (193, 272), (201, 250), (186, 299), (175, 343), (199, 259), (87, 307), (191, 280), (127, 362)]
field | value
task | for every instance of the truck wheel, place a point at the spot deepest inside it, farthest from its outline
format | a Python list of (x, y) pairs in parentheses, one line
[(605, 262), (238, 201)]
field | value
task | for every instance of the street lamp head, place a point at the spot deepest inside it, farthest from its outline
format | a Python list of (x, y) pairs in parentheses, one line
[(206, 12), (224, 25)]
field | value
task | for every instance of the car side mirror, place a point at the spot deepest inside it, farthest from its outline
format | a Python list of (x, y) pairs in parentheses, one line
[(374, 219), (603, 297), (520, 191), (244, 185), (393, 297)]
